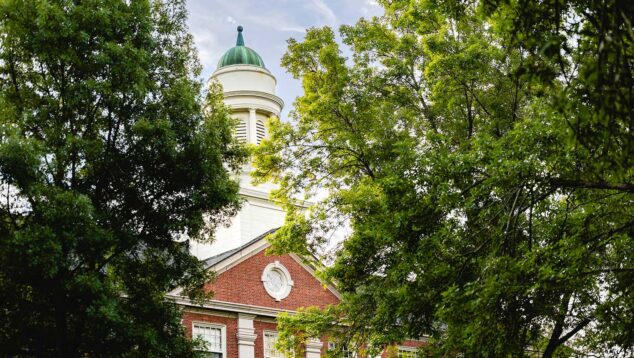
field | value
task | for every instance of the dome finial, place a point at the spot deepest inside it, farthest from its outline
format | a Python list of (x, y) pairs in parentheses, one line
[(240, 54), (240, 40)]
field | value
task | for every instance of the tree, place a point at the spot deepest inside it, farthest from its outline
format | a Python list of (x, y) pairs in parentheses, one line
[(481, 154), (107, 164)]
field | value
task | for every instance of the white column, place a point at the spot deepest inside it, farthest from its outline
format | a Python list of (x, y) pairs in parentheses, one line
[(246, 336), (253, 130), (313, 348)]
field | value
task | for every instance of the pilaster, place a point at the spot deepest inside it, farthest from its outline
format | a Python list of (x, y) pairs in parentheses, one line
[(246, 336), (253, 131), (313, 348)]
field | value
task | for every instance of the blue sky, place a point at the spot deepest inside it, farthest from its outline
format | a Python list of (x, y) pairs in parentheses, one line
[(267, 25)]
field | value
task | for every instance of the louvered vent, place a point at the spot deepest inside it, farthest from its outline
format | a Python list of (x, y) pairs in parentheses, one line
[(241, 131), (260, 130)]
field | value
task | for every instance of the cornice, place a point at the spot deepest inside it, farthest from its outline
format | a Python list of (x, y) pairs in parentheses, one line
[(229, 306), (311, 270), (254, 193), (247, 93), (265, 196), (242, 67)]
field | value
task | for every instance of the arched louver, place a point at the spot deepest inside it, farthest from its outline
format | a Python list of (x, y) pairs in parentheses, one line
[(260, 130), (241, 131)]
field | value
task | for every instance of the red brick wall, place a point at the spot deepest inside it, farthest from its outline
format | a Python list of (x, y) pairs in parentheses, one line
[(260, 327), (242, 284), (230, 323), (416, 344), (231, 331)]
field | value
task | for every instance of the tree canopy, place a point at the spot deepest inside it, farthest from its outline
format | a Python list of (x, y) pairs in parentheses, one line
[(107, 164), (481, 154)]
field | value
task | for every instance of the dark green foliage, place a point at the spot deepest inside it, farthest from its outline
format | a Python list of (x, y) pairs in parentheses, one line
[(107, 161), (482, 153)]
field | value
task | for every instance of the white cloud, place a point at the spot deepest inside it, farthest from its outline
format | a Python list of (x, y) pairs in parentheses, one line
[(231, 20), (370, 7), (209, 49), (276, 21), (320, 7)]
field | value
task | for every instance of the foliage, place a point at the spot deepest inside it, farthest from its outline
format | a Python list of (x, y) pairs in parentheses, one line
[(482, 155), (107, 164)]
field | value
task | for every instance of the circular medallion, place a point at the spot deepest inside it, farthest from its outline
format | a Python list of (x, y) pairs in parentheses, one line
[(277, 280)]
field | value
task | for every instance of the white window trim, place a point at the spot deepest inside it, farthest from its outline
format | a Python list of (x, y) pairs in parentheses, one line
[(264, 333), (223, 334), (277, 266), (408, 349), (333, 346)]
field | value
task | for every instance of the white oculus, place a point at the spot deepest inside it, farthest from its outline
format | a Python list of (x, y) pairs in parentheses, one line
[(277, 281)]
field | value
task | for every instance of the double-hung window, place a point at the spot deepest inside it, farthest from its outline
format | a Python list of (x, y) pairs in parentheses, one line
[(345, 353), (269, 345), (214, 338), (407, 352)]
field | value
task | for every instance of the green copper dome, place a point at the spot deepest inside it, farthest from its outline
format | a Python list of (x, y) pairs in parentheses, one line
[(240, 55)]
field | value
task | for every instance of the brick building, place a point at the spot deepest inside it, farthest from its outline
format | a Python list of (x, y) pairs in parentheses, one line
[(252, 288)]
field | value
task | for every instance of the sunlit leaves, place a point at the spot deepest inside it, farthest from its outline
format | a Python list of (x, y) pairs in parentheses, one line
[(480, 153)]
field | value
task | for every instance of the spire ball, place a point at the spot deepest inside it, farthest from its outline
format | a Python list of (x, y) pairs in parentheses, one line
[(240, 39)]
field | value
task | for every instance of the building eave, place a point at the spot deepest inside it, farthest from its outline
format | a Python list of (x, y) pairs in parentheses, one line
[(271, 97), (229, 306)]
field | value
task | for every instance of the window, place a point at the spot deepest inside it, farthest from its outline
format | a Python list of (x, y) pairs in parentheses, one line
[(269, 346), (345, 353), (214, 338), (277, 280), (407, 352)]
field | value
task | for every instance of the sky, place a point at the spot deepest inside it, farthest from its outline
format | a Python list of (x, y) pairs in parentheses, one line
[(267, 25)]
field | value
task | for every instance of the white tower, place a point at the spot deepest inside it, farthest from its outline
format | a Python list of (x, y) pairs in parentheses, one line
[(249, 89)]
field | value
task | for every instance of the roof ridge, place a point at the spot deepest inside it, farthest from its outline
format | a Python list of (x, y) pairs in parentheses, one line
[(213, 260)]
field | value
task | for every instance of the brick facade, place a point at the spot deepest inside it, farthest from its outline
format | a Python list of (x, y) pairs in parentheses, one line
[(242, 284), (260, 327)]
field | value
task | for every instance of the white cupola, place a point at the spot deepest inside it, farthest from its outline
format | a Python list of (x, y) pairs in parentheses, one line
[(249, 90)]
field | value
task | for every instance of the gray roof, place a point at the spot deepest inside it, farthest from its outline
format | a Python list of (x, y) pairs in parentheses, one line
[(209, 262)]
